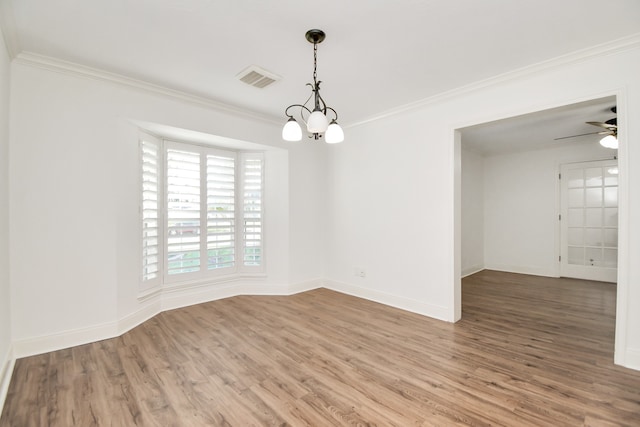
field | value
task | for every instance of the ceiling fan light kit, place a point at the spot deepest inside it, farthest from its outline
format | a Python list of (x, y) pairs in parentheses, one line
[(609, 141), (316, 120)]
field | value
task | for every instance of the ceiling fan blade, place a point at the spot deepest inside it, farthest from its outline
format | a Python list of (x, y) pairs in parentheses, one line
[(582, 134), (603, 125)]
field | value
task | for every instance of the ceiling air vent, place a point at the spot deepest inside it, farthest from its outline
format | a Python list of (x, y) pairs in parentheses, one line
[(257, 77)]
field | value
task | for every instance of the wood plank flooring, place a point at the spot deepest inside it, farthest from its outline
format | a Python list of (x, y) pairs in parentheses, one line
[(529, 351)]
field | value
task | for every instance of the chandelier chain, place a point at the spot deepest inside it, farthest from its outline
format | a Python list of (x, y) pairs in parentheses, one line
[(315, 61)]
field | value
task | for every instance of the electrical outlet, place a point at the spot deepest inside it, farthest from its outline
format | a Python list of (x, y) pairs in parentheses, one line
[(359, 272)]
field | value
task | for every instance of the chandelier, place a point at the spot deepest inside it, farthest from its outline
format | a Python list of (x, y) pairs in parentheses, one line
[(315, 120)]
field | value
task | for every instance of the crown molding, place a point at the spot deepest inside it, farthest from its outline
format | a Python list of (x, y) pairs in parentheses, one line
[(8, 27), (71, 68), (615, 46)]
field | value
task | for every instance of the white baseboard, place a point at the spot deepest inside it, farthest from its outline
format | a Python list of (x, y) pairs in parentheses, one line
[(308, 285), (407, 304), (65, 339), (178, 298), (138, 317), (164, 300), (6, 371), (471, 270), (522, 269), (632, 359), (173, 299)]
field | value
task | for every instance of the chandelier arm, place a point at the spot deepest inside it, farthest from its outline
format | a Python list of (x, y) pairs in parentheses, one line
[(334, 112), (313, 92), (286, 112)]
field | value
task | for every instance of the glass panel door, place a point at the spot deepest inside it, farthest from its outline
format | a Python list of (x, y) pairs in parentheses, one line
[(589, 220)]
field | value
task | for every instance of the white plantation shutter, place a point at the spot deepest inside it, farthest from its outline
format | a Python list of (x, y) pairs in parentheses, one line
[(252, 210), (150, 209), (202, 212), (183, 211), (221, 211)]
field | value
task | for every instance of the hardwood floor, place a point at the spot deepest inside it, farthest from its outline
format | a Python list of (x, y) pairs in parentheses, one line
[(529, 351)]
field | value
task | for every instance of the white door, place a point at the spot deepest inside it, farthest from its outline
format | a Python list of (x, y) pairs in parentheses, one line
[(589, 220)]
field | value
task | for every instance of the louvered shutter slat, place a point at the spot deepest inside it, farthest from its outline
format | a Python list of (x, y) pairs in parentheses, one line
[(150, 153), (183, 211), (220, 212), (252, 182)]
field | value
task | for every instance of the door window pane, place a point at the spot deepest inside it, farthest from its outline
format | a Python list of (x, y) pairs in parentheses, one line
[(611, 237), (593, 177), (576, 217), (593, 237), (611, 176), (610, 217), (576, 255), (593, 197), (575, 178), (611, 196), (610, 258), (576, 237), (593, 217), (593, 256), (576, 198)]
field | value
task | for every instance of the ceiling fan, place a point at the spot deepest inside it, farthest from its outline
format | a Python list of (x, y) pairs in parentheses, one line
[(610, 125)]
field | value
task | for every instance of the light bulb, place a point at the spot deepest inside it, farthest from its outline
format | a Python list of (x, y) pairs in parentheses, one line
[(334, 133), (317, 122), (609, 141), (291, 131)]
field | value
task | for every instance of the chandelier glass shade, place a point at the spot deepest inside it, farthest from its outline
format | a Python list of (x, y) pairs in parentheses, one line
[(316, 121)]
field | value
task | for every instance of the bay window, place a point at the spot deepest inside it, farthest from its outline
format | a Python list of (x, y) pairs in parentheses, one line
[(201, 212)]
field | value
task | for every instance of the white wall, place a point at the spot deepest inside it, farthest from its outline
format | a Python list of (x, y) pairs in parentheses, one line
[(5, 306), (472, 212), (391, 197), (521, 207), (393, 186), (74, 203), (308, 210)]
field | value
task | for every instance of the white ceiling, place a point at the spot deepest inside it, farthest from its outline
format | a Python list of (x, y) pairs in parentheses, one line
[(539, 130), (378, 54)]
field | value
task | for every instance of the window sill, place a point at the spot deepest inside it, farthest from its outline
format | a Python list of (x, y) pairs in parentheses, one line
[(168, 288)]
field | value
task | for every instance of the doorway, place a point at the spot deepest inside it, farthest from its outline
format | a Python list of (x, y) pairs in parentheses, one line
[(507, 152)]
